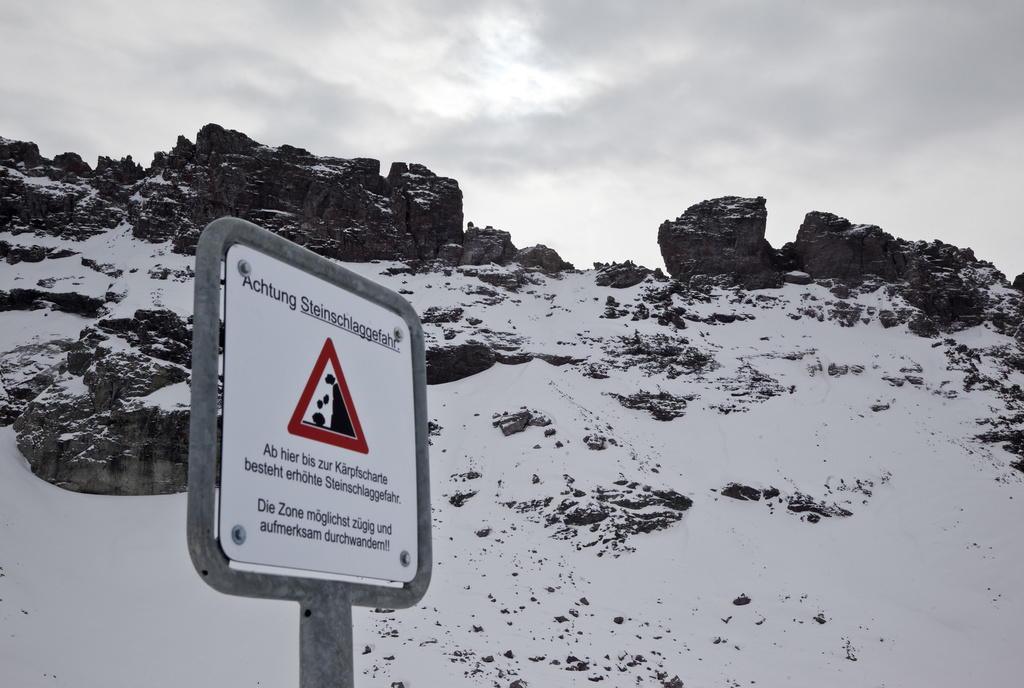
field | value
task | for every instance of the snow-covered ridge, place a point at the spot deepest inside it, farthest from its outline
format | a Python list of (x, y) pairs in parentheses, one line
[(636, 479), (711, 487)]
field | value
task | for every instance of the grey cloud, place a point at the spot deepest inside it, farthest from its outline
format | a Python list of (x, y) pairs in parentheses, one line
[(839, 92), (838, 100)]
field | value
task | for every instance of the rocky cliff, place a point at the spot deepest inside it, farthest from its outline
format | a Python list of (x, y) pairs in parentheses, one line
[(62, 219), (340, 208), (95, 295), (948, 287), (721, 237)]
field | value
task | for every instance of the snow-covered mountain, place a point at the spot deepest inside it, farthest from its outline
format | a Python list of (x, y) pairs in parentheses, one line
[(750, 475)]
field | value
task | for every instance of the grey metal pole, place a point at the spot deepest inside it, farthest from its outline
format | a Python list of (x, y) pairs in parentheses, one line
[(325, 641)]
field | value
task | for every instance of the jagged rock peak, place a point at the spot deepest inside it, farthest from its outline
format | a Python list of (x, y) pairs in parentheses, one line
[(20, 154), (214, 138), (487, 245), (340, 208), (722, 237), (542, 258), (829, 246)]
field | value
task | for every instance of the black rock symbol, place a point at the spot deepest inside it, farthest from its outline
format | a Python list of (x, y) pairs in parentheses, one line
[(340, 421)]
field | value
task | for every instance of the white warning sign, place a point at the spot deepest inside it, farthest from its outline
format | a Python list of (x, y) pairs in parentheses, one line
[(318, 467)]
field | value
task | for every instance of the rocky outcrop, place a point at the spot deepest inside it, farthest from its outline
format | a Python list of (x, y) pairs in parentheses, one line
[(483, 246), (623, 275), (160, 334), (341, 208), (62, 198), (831, 247), (723, 238), (606, 517), (35, 299), (108, 412), (952, 289), (451, 363), (94, 429), (92, 415), (949, 285), (542, 258)]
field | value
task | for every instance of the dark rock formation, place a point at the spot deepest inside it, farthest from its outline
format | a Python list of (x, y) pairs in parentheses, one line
[(800, 503), (947, 284), (607, 517), (107, 440), (26, 371), (487, 245), (340, 208), (661, 405), (437, 314), (157, 333), (48, 197), (828, 246), (741, 492), (451, 363), (724, 238), (34, 299), (542, 258), (517, 421), (622, 275)]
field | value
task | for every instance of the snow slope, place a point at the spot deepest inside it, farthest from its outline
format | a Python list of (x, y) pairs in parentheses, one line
[(917, 586)]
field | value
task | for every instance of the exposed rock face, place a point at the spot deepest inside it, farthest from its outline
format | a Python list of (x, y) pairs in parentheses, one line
[(90, 414), (340, 208), (723, 237), (623, 275), (948, 284), (157, 333), (607, 516), (61, 198), (952, 288), (542, 258), (106, 439), (487, 245), (451, 363), (34, 299), (108, 412), (828, 246)]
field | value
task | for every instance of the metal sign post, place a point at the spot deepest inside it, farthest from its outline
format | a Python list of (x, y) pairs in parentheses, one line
[(323, 493)]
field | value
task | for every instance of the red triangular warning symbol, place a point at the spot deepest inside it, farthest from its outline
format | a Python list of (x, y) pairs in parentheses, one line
[(325, 412)]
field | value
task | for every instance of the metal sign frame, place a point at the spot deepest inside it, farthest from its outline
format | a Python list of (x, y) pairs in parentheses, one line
[(325, 635)]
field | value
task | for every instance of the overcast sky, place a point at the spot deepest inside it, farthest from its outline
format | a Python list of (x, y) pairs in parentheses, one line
[(580, 124)]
